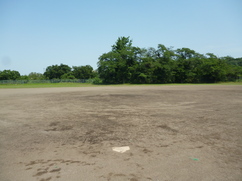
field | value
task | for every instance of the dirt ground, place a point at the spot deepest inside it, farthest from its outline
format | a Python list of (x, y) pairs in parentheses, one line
[(186, 132)]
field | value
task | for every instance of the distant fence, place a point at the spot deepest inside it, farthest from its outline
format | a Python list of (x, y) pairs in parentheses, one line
[(46, 81)]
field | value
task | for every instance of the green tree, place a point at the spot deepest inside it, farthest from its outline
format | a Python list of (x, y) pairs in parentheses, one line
[(165, 64), (188, 66), (36, 76), (83, 72), (213, 69), (143, 68), (233, 72), (23, 77), (56, 71), (128, 64), (68, 75), (116, 65), (233, 61), (107, 68), (186, 53), (9, 75)]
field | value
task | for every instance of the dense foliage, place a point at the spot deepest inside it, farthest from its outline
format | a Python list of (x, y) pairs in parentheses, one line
[(83, 72), (65, 72), (126, 63), (9, 75), (52, 72), (56, 71)]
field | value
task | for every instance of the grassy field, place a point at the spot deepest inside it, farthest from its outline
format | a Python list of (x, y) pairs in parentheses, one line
[(43, 85)]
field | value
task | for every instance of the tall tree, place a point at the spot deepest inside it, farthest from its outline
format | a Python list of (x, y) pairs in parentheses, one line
[(116, 65), (188, 66), (144, 67), (165, 64)]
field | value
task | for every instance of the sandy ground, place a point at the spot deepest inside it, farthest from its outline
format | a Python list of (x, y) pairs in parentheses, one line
[(174, 133)]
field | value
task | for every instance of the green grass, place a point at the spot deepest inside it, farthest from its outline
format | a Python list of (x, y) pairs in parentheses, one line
[(45, 85), (219, 83), (230, 83)]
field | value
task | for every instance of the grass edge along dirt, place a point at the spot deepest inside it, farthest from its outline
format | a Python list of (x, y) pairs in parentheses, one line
[(49, 85), (45, 85)]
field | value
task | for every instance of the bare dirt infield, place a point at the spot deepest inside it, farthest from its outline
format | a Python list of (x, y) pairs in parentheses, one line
[(174, 133)]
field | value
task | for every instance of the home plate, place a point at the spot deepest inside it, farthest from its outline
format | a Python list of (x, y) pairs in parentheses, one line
[(121, 149)]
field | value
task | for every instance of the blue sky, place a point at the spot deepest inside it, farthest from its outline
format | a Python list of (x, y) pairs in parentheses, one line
[(35, 34)]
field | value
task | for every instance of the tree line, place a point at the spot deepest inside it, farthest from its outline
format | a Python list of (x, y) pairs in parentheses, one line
[(61, 71), (126, 63)]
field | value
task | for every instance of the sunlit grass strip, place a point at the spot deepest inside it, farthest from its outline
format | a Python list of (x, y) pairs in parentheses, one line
[(43, 85), (68, 84)]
